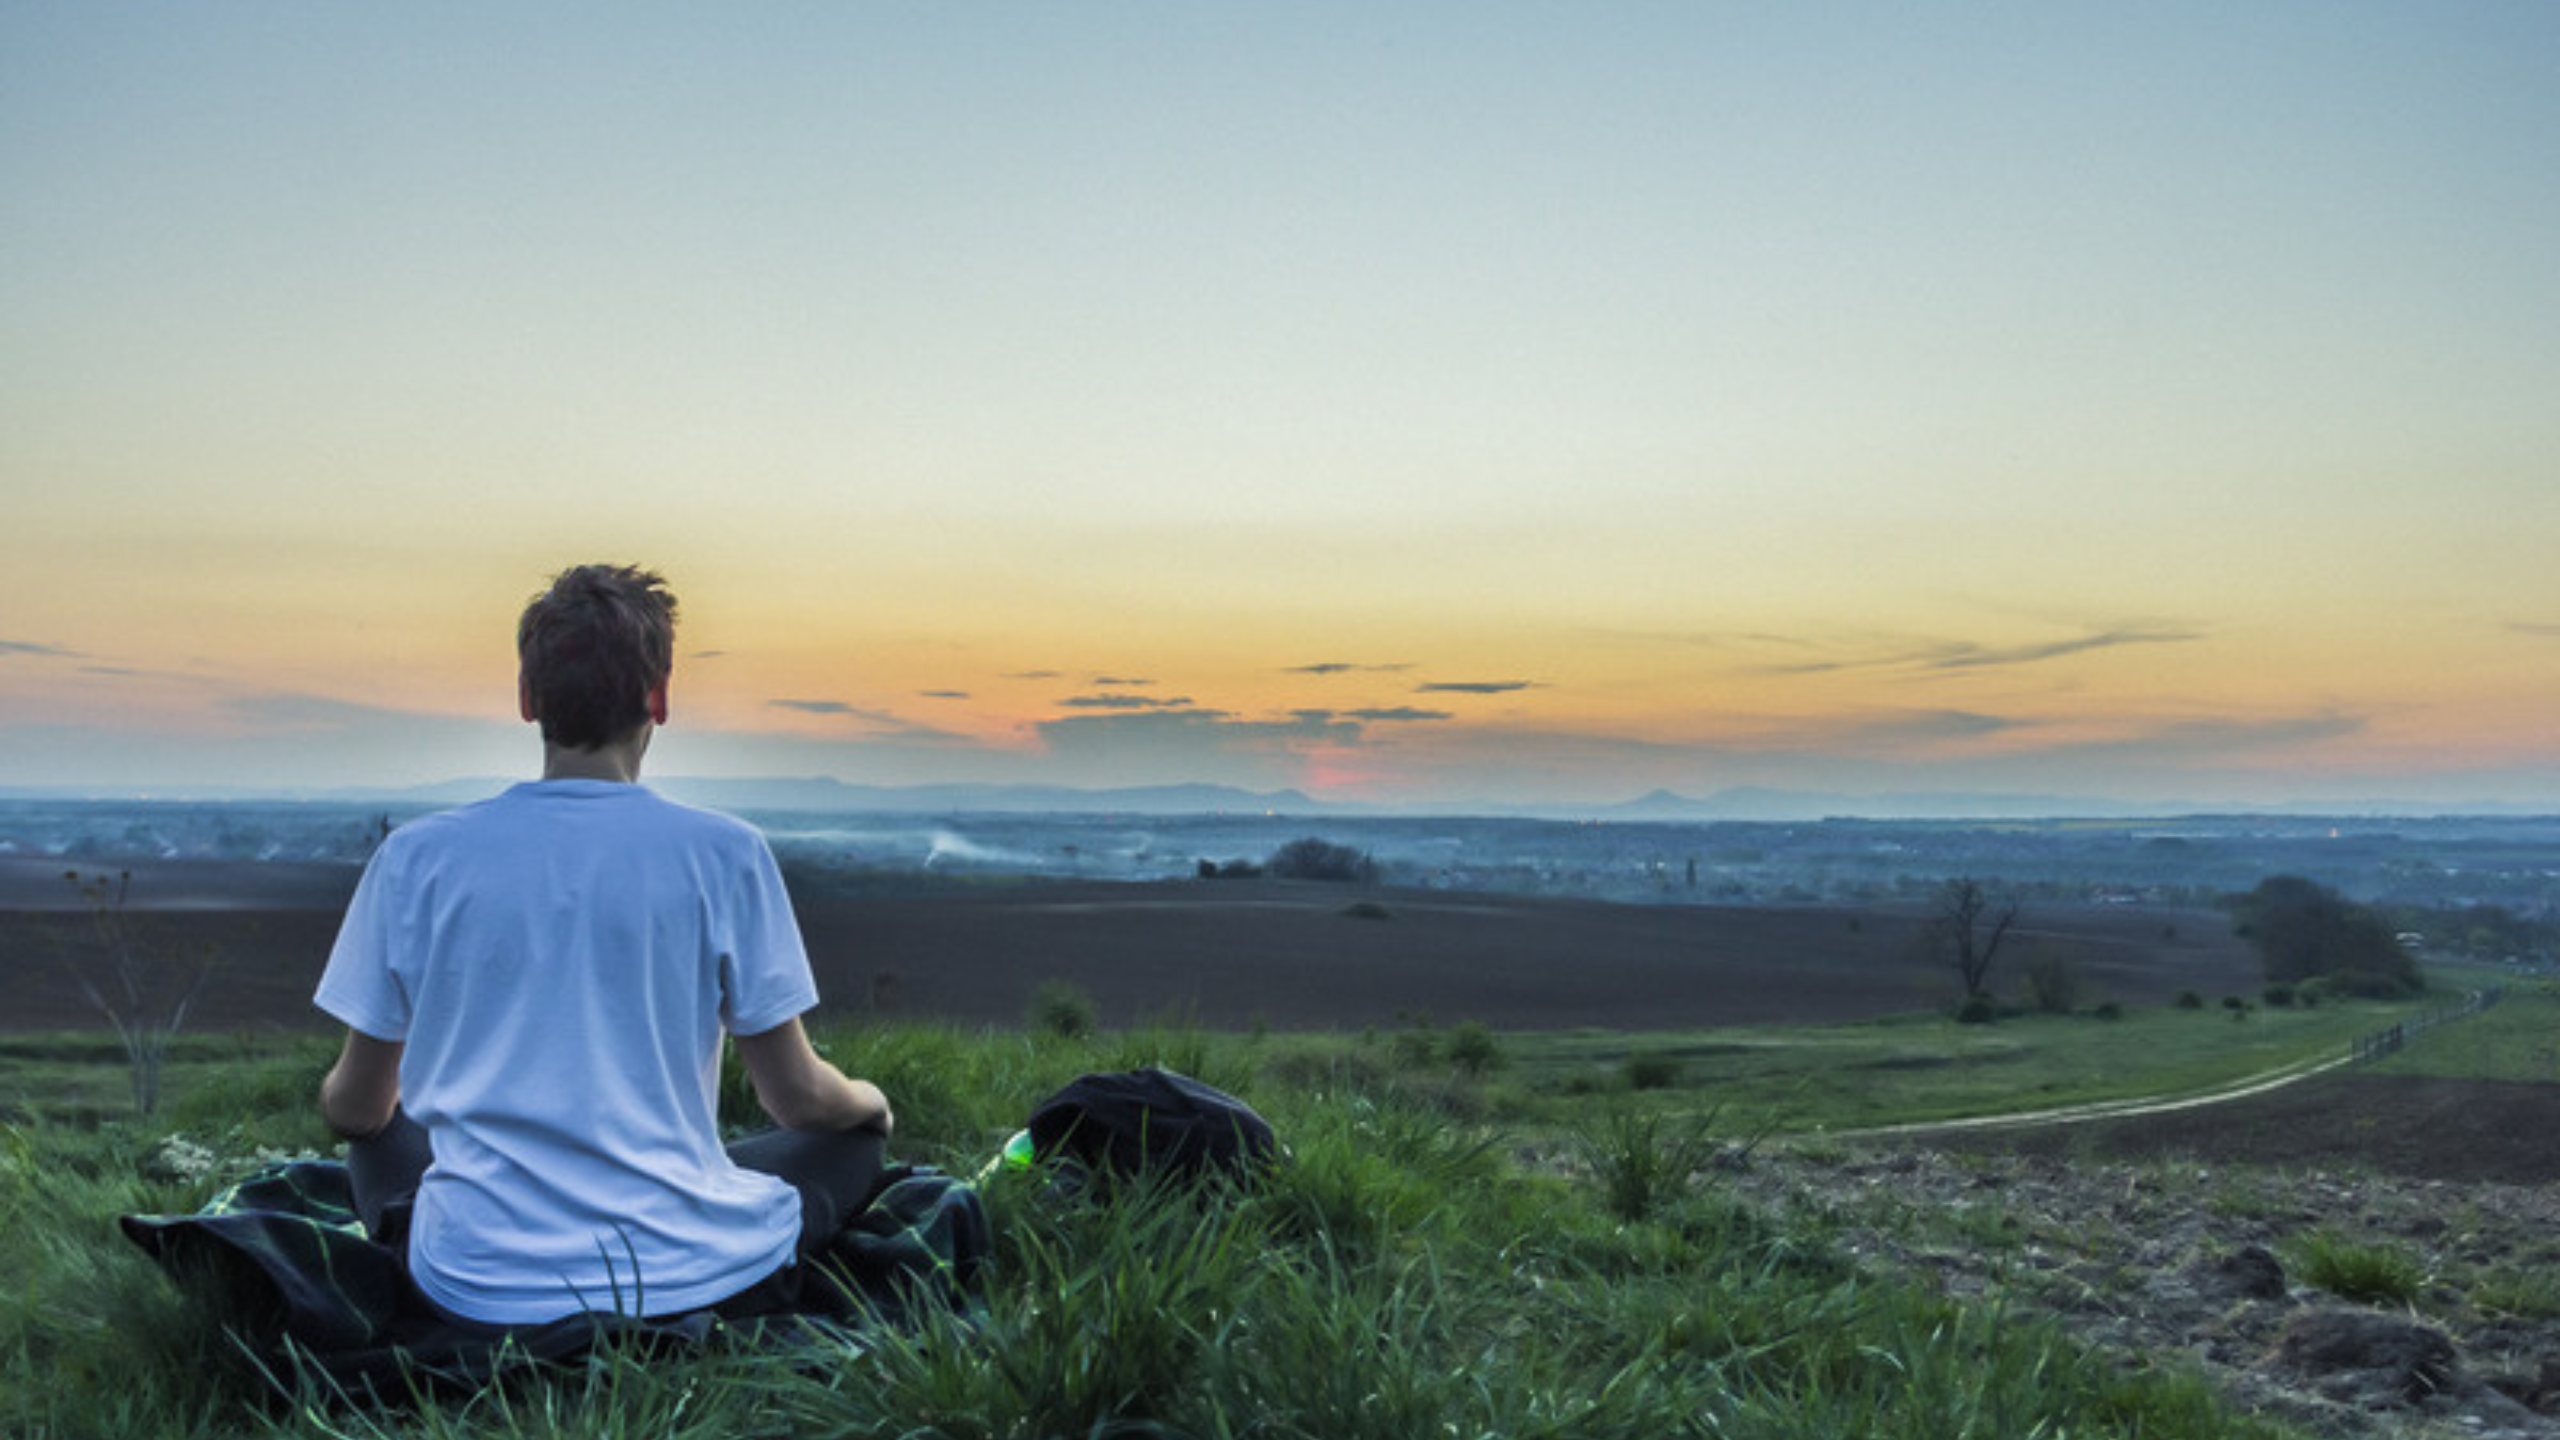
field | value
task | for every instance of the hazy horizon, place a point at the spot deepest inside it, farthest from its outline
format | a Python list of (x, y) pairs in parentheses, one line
[(1748, 805), (1417, 406)]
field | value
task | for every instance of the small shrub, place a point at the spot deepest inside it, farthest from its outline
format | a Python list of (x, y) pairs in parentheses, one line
[(1062, 1008), (1368, 910), (880, 990), (1643, 1160), (2189, 1000), (2050, 983), (1473, 1049), (149, 981), (2278, 996), (1977, 1009), (1416, 1047), (2367, 1274), (1650, 1070), (2110, 1010), (1301, 1063)]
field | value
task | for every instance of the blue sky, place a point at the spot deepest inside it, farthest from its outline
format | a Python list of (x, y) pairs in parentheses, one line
[(1419, 403)]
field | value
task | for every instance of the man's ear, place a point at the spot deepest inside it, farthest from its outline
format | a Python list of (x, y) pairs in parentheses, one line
[(658, 703), (524, 698)]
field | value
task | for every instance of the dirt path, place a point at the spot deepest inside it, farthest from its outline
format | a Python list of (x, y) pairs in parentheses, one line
[(2264, 1082)]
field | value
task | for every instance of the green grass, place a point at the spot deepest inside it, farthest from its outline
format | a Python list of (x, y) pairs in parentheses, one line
[(1917, 1068), (80, 1078), (2365, 1273), (2516, 1039), (2521, 1294), (1424, 1266)]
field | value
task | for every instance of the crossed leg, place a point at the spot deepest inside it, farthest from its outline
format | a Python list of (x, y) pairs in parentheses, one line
[(835, 1172)]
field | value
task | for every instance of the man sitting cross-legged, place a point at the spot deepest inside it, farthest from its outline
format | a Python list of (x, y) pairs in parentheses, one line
[(535, 990)]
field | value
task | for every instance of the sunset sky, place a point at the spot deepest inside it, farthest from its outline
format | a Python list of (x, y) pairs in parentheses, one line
[(1436, 405)]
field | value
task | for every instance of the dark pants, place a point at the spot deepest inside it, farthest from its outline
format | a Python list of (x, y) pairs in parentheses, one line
[(835, 1172)]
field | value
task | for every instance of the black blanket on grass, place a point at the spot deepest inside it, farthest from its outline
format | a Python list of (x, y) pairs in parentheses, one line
[(311, 1296)]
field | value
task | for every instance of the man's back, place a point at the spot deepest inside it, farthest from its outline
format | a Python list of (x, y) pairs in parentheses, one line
[(561, 961)]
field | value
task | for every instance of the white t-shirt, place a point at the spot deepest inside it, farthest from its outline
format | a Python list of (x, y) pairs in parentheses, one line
[(560, 962)]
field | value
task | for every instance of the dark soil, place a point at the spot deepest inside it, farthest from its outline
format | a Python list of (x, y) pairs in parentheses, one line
[(1221, 954), (1230, 954), (2418, 1127)]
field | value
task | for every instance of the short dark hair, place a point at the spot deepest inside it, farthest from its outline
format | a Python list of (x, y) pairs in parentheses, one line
[(592, 647)]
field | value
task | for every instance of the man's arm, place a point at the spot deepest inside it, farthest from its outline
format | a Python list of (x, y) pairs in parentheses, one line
[(359, 1093), (801, 1091)]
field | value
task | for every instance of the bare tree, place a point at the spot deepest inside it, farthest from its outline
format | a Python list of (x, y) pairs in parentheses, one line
[(146, 1002), (1964, 907)]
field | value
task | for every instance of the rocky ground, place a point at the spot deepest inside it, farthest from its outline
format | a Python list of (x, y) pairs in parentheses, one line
[(2208, 1261)]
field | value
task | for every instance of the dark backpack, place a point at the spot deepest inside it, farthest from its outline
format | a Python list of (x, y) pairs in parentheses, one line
[(1128, 1123)]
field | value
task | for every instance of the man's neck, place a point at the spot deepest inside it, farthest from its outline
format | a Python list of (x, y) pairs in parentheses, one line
[(616, 760)]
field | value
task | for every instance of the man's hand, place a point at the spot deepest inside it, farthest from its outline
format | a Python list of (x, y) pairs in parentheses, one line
[(801, 1091)]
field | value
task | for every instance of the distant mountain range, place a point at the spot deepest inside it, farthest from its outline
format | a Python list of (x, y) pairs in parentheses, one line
[(822, 794)]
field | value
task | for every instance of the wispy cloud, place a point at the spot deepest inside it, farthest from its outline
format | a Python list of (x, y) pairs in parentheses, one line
[(2546, 629), (1033, 675), (1344, 667), (1899, 729), (1126, 702), (38, 650), (877, 724), (1473, 687), (1966, 655), (1116, 682), (944, 694), (1931, 654), (1390, 714)]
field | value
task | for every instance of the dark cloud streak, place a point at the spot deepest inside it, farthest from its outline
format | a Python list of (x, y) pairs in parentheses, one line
[(882, 724), (1956, 655), (1964, 655), (38, 650), (1126, 702)]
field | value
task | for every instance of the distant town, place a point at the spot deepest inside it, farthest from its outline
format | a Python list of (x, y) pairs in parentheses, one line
[(2481, 888)]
